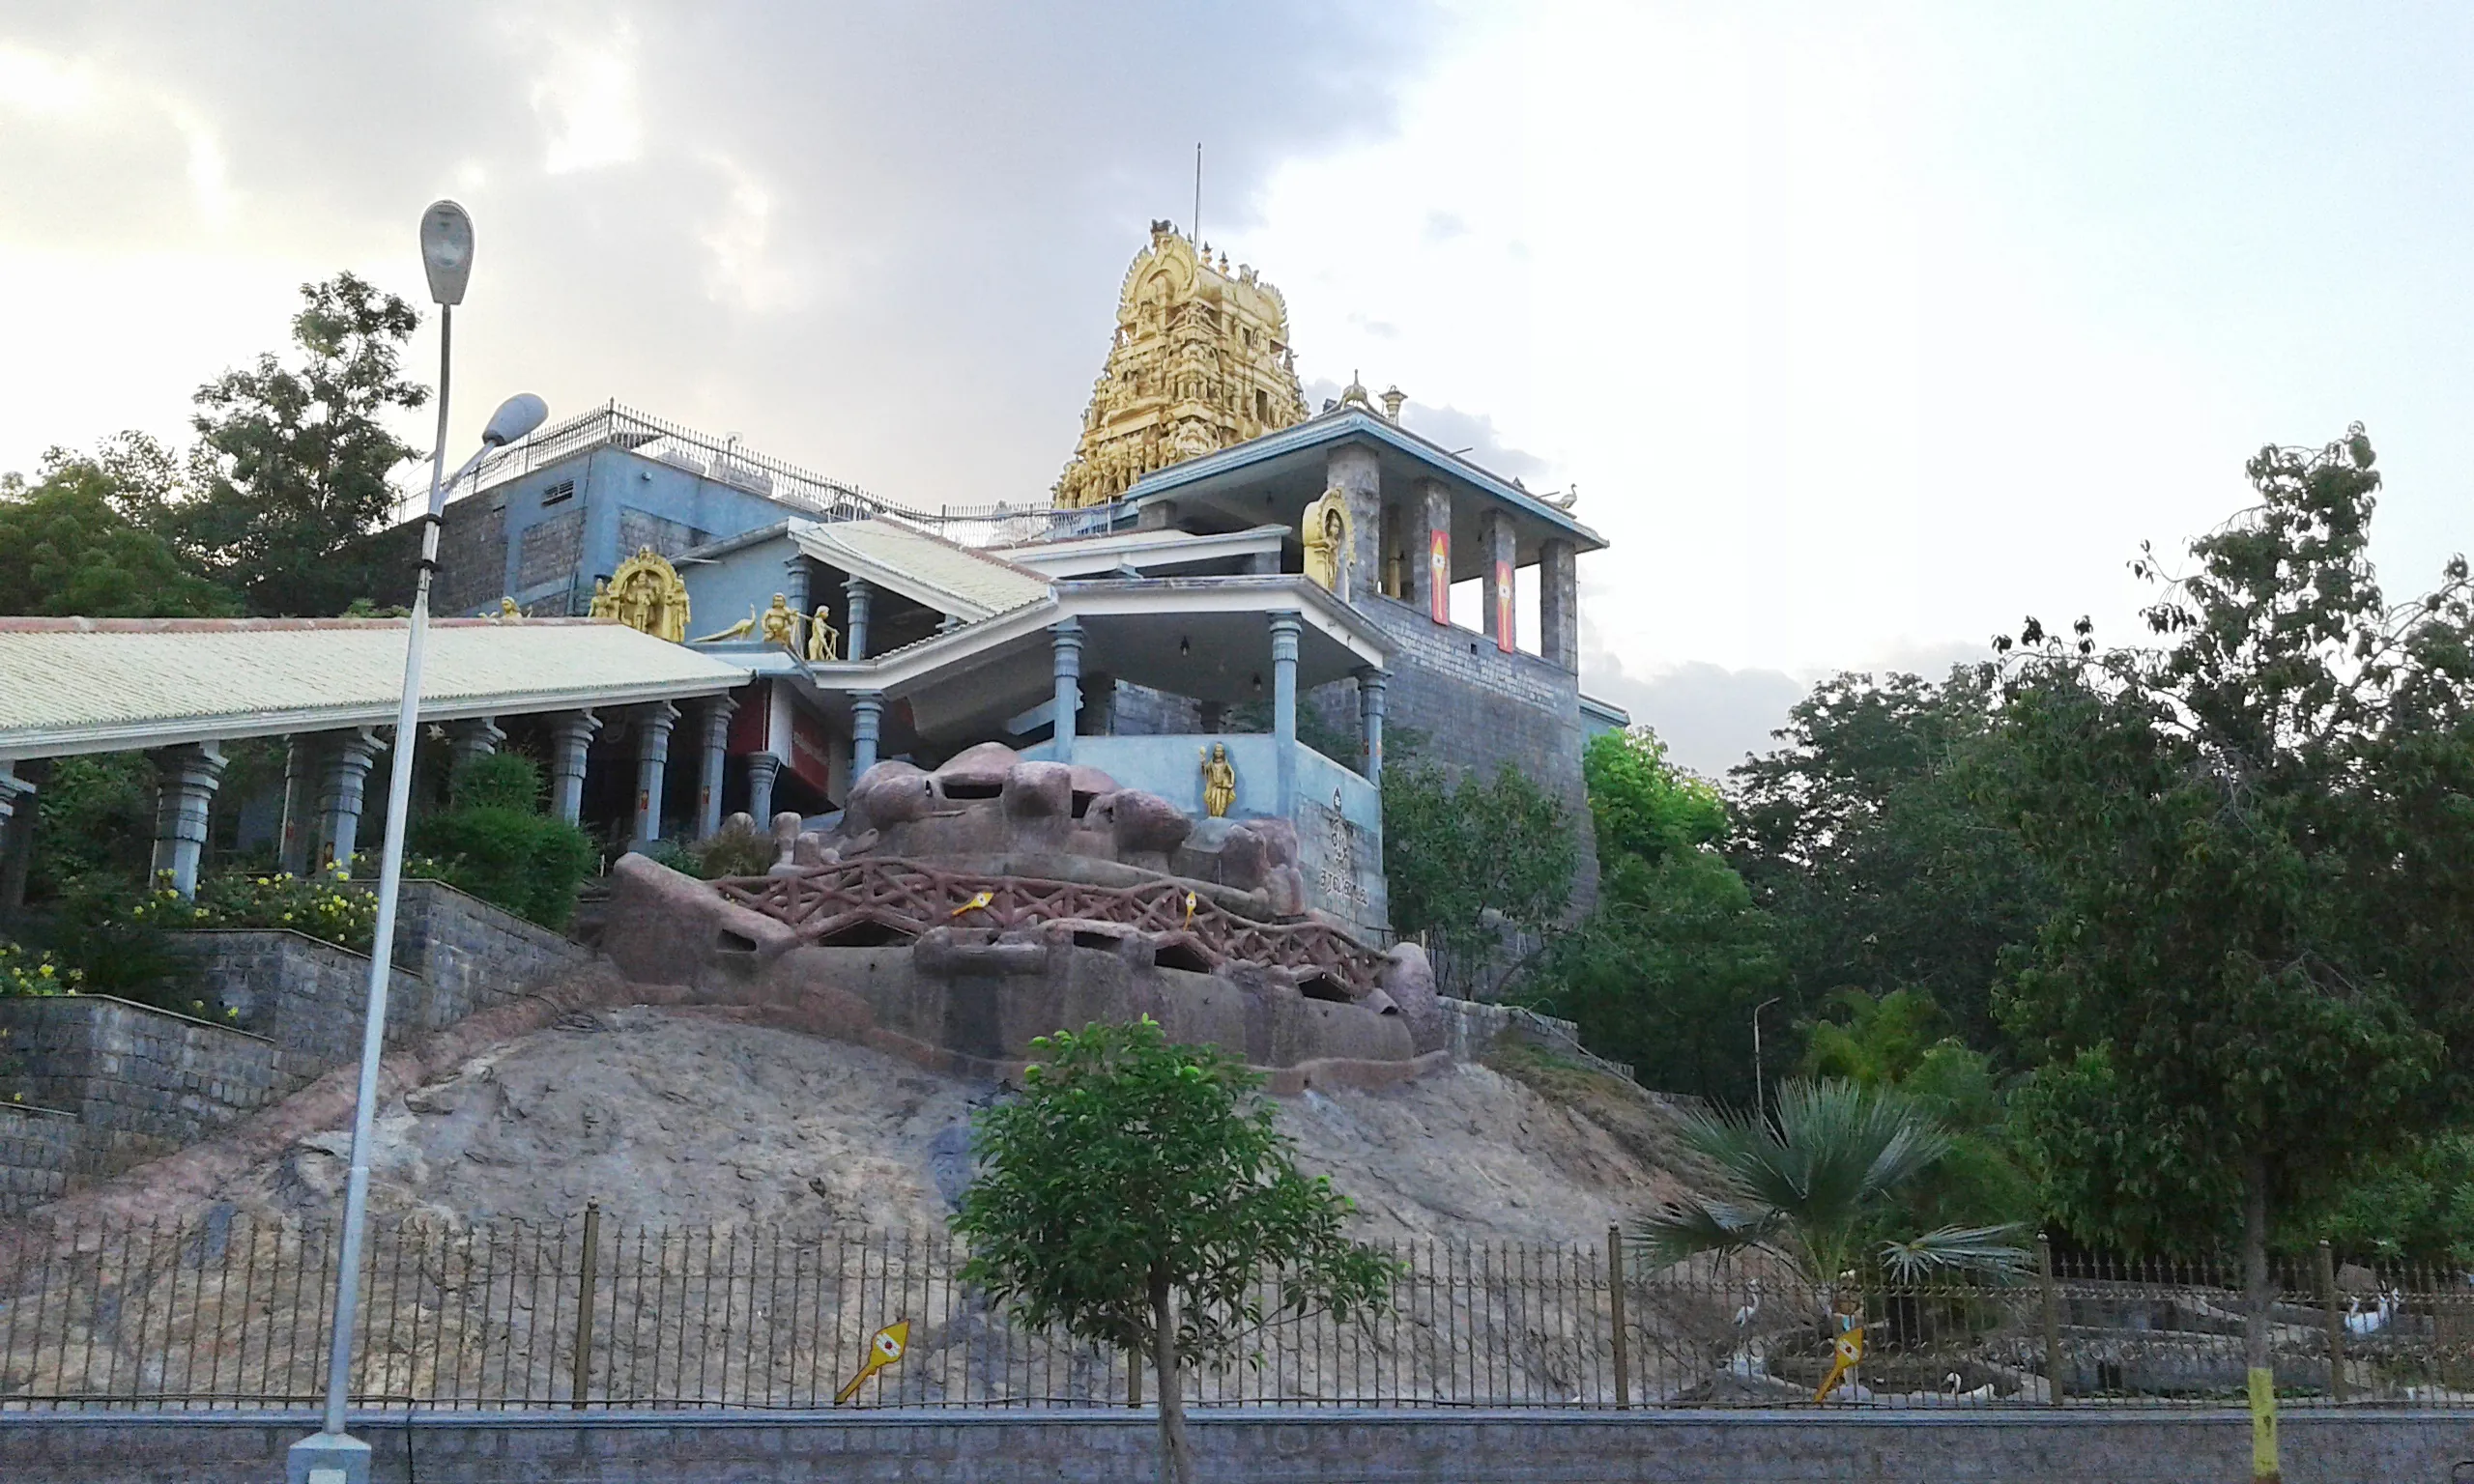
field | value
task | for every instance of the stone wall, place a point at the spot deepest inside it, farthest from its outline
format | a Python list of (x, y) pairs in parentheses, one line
[(1481, 709), (142, 1082), (139, 1083), (1257, 1446), (37, 1146), (469, 956), (1470, 1029)]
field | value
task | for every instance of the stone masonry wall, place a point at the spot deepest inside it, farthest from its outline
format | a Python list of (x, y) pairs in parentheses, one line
[(143, 1082), (470, 956), (37, 1146), (307, 997), (1264, 1445)]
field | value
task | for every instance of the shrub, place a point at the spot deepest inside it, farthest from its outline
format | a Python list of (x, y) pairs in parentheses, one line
[(324, 905), (24, 971), (494, 841)]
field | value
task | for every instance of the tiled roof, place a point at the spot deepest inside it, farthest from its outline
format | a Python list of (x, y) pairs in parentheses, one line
[(927, 569), (72, 685)]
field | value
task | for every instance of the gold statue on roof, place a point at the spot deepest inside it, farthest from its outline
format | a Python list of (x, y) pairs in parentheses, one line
[(604, 604), (1328, 530), (646, 595), (825, 641), (1199, 360), (779, 624)]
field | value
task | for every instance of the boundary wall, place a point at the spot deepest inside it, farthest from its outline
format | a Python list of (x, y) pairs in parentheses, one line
[(2110, 1446)]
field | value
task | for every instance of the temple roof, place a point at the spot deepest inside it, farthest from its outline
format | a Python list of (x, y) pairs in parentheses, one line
[(927, 569), (84, 685)]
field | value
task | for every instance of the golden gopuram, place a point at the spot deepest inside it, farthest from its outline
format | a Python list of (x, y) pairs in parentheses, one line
[(1200, 361)]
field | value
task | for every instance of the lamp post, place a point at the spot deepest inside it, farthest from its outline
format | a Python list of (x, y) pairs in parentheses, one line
[(1760, 1103), (330, 1456)]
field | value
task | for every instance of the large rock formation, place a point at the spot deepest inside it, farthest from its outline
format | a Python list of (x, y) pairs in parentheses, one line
[(954, 915)]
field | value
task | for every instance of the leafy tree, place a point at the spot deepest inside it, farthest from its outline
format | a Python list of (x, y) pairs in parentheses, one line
[(69, 545), (1865, 839), (496, 842), (301, 456), (1816, 1188), (1130, 1197), (2263, 860), (1478, 868), (1666, 971)]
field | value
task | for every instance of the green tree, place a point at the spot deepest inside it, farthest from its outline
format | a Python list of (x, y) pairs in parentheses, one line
[(301, 457), (1666, 971), (1816, 1188), (1481, 867), (69, 546), (1132, 1197), (2263, 861), (1866, 840)]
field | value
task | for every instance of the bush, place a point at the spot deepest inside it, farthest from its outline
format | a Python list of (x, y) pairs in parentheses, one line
[(24, 971), (734, 850), (324, 905), (494, 841), (99, 927)]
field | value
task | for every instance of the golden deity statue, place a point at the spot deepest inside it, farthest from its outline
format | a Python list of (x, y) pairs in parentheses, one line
[(739, 630), (825, 641), (1218, 781), (1199, 360), (646, 595), (780, 625), (604, 604), (508, 610), (1328, 531)]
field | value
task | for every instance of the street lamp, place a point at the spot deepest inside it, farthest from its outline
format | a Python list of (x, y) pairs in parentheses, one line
[(1760, 1103), (330, 1456)]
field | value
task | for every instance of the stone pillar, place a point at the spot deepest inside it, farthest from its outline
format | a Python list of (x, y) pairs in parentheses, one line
[(342, 783), (474, 737), (571, 742), (1065, 653), (653, 725), (300, 804), (1285, 628), (858, 591), (794, 586), (761, 770), (185, 783), (1495, 540), (1559, 603), (1371, 682), (1429, 554), (867, 710), (1352, 466), (714, 738)]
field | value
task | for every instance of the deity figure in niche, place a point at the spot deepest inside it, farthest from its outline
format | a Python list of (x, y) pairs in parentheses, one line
[(604, 604), (1326, 531), (1218, 781)]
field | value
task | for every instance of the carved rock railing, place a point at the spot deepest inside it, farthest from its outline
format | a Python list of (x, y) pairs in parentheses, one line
[(911, 896)]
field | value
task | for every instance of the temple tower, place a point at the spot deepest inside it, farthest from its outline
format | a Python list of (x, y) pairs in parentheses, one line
[(1200, 361)]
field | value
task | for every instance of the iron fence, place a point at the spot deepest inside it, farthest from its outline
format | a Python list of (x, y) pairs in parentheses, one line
[(232, 1312)]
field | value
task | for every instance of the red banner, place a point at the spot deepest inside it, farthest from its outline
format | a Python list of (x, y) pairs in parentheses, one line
[(1503, 608), (1439, 576)]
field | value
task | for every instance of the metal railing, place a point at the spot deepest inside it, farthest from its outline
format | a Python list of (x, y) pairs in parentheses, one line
[(229, 1312), (727, 461)]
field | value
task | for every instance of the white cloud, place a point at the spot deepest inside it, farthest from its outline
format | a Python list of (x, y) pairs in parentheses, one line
[(32, 83), (586, 96)]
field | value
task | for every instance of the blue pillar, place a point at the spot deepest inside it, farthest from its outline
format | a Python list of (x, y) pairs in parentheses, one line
[(1285, 628), (866, 707), (761, 770), (186, 780), (858, 591), (716, 751), (342, 784), (1065, 646), (300, 804), (1371, 682), (653, 725), (471, 739), (570, 740)]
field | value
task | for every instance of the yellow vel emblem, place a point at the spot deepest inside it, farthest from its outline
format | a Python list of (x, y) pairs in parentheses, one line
[(977, 901), (883, 1350), (1849, 1349)]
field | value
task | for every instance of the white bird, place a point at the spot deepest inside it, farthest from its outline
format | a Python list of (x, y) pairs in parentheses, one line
[(2381, 1314), (1744, 1316), (1951, 1383)]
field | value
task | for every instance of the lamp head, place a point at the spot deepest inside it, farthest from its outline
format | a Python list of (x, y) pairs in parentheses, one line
[(516, 416), (446, 250)]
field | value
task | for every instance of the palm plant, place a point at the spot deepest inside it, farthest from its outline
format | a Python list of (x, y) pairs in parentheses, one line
[(1811, 1187)]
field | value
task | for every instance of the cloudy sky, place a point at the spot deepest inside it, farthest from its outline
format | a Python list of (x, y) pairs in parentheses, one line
[(1863, 330)]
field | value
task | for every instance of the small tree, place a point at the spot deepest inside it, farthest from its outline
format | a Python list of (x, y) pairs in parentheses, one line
[(1132, 1197), (1474, 865)]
